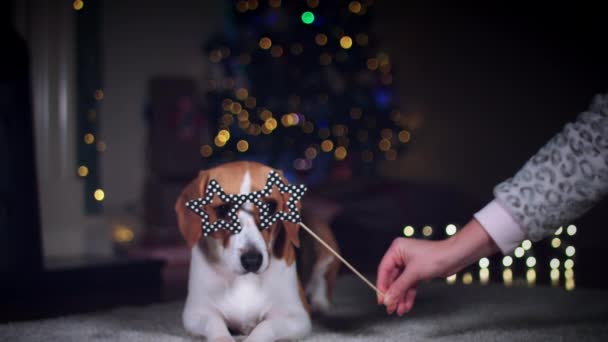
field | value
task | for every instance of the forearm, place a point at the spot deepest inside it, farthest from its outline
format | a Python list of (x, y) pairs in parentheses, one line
[(564, 179), (468, 245)]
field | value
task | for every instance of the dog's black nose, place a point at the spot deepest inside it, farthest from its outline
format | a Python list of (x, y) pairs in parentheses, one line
[(251, 261)]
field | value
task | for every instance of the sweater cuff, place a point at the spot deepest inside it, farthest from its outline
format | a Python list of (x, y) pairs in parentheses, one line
[(502, 228)]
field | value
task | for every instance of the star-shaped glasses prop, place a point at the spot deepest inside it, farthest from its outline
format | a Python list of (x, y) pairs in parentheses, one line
[(267, 218)]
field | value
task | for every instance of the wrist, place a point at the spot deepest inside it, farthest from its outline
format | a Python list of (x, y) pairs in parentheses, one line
[(467, 246)]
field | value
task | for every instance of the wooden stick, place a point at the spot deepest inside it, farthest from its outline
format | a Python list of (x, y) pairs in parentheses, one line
[(341, 258)]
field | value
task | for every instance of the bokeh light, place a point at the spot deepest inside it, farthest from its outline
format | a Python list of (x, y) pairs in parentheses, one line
[(99, 195), (408, 231), (450, 229), (308, 17)]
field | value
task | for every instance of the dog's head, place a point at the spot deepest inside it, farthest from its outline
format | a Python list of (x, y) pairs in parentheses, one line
[(251, 249)]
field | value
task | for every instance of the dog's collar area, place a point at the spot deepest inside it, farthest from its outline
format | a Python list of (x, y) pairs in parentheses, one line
[(236, 201)]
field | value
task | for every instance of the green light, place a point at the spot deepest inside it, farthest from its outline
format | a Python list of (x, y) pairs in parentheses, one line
[(308, 18)]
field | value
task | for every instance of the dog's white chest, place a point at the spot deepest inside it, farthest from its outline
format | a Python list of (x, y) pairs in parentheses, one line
[(244, 303)]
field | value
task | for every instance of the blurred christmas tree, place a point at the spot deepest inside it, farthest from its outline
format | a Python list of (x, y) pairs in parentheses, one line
[(302, 86)]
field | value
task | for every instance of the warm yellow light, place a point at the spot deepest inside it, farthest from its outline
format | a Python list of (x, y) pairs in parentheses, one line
[(206, 151), (98, 94), (519, 252), (450, 229), (531, 276), (310, 153), (484, 262), (556, 242), (226, 104), (215, 56), (312, 3), (451, 279), (321, 39), (554, 263), (391, 154), (570, 284), (554, 274), (570, 250), (526, 244), (427, 231), (256, 129), (223, 136), (569, 273), (571, 230), (340, 153), (89, 138), (507, 276), (276, 51), (242, 146), (308, 127), (83, 171), (340, 130), (242, 6), (250, 102), (274, 3), (568, 264), (384, 145), (241, 94), (346, 42), (372, 64), (265, 43), (265, 114), (243, 115), (122, 233), (367, 156), (507, 261), (354, 6), (531, 261), (484, 276), (271, 124), (386, 133), (559, 231), (99, 195), (235, 108), (467, 278), (327, 145), (218, 142), (78, 5), (408, 231), (404, 136)]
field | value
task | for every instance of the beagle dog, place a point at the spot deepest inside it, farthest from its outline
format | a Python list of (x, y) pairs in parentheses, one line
[(248, 282)]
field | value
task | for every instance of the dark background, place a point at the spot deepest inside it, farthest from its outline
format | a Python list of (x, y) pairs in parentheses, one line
[(493, 83)]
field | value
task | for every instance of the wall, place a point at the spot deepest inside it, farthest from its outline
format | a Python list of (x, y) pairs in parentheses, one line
[(143, 39), (492, 84)]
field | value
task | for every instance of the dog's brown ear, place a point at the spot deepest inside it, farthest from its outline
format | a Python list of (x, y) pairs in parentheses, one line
[(189, 223), (292, 230)]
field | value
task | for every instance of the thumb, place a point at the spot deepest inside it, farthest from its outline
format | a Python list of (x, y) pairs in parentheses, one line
[(404, 282)]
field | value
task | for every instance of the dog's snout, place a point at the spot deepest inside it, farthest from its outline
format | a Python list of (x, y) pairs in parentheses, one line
[(251, 260)]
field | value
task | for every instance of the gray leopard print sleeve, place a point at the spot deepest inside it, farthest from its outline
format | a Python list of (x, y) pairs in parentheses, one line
[(567, 176)]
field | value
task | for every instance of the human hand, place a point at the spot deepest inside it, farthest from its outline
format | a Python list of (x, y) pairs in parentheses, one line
[(409, 261)]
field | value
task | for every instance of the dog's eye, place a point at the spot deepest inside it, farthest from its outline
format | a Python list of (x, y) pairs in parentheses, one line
[(272, 206), (222, 211)]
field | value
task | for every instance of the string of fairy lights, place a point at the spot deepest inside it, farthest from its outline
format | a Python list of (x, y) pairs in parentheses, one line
[(520, 267), (243, 112)]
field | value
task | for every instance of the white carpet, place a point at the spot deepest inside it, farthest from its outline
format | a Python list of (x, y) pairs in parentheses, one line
[(442, 313)]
